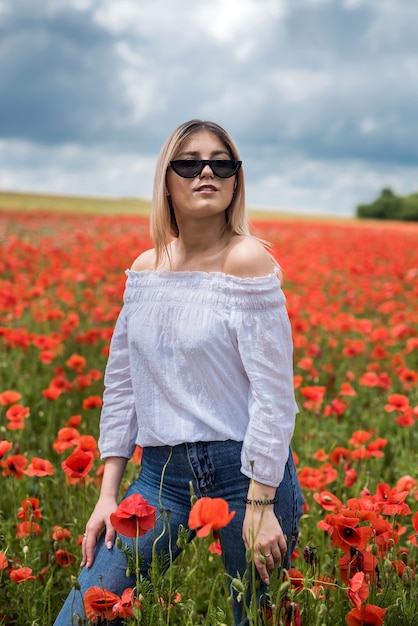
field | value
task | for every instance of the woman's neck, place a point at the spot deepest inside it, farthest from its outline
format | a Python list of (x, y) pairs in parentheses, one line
[(203, 250)]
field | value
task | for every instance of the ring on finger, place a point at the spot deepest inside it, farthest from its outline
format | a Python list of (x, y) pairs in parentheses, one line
[(266, 556)]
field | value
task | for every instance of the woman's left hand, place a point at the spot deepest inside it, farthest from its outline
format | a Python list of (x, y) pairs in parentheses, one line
[(263, 535)]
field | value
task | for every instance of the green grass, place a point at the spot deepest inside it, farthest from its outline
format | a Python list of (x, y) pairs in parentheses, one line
[(11, 201)]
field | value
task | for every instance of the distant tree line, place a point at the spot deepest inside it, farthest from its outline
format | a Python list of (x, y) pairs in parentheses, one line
[(388, 206)]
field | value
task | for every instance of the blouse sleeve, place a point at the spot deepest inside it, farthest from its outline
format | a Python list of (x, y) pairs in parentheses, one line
[(264, 340), (118, 421)]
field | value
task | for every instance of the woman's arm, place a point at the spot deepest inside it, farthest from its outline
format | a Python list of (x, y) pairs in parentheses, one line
[(107, 503), (261, 530)]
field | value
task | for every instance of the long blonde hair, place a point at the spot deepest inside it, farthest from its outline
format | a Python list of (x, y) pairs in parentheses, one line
[(163, 225)]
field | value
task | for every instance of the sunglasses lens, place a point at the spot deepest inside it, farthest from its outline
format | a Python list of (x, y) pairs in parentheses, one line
[(224, 168), (188, 168)]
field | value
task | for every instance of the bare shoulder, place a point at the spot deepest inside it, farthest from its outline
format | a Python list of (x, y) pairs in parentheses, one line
[(248, 258), (144, 261)]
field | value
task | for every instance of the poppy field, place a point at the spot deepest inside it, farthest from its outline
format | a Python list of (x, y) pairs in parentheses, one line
[(352, 293)]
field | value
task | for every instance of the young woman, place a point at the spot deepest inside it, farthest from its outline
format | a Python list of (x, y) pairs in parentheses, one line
[(199, 374)]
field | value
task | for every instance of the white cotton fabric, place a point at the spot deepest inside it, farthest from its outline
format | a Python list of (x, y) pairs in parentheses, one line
[(202, 357)]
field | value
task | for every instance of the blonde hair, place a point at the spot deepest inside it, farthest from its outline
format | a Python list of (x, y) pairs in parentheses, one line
[(163, 225)]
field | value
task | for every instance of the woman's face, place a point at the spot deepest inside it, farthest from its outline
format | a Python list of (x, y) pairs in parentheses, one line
[(206, 194)]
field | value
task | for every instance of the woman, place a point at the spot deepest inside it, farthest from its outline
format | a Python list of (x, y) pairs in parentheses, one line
[(199, 373)]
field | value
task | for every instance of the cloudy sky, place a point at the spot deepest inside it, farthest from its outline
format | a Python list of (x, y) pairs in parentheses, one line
[(321, 96)]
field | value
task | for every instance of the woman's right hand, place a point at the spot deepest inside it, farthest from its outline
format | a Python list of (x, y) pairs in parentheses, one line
[(107, 504), (98, 523)]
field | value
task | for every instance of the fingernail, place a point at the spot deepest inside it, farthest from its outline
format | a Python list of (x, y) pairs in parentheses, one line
[(109, 545)]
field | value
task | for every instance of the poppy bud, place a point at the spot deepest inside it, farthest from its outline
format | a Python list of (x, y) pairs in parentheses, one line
[(387, 564), (284, 586), (75, 583), (237, 585)]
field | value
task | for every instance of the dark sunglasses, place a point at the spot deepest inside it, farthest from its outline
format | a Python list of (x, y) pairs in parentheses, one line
[(190, 168)]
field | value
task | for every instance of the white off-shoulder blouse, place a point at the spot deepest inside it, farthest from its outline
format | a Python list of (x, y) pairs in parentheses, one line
[(201, 357)]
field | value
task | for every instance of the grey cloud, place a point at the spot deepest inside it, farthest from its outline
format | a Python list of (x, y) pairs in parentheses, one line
[(60, 78), (332, 83)]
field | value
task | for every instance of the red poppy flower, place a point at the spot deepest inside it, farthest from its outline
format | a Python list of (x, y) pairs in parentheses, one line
[(63, 558), (39, 467), (336, 407), (353, 347), (14, 466), (328, 501), (17, 412), (406, 483), (320, 455), (391, 502), (74, 421), (21, 574), (345, 532), (397, 402), (3, 561), (76, 362), (364, 503), (366, 615), (399, 567), (99, 603), (413, 538), (358, 590), (47, 356), (339, 454), (137, 456), (52, 392), (320, 584), (66, 438), (215, 547), (314, 397), (28, 529), (359, 437), (408, 378), (347, 390), (377, 444), (369, 379), (358, 561), (361, 454), (296, 578), (406, 419), (125, 608), (175, 599), (78, 464), (350, 477), (5, 446), (209, 514), (9, 397), (92, 402), (17, 424), (88, 443), (29, 509), (134, 517), (58, 533)]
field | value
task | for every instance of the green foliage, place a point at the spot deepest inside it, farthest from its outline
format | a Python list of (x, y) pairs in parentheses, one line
[(388, 206)]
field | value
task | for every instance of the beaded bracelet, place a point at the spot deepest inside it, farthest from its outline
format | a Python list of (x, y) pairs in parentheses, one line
[(260, 502)]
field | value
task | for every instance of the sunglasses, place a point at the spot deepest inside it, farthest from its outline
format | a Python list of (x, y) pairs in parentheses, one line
[(190, 168)]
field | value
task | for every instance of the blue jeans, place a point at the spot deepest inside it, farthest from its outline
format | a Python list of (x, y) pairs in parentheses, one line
[(214, 470)]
